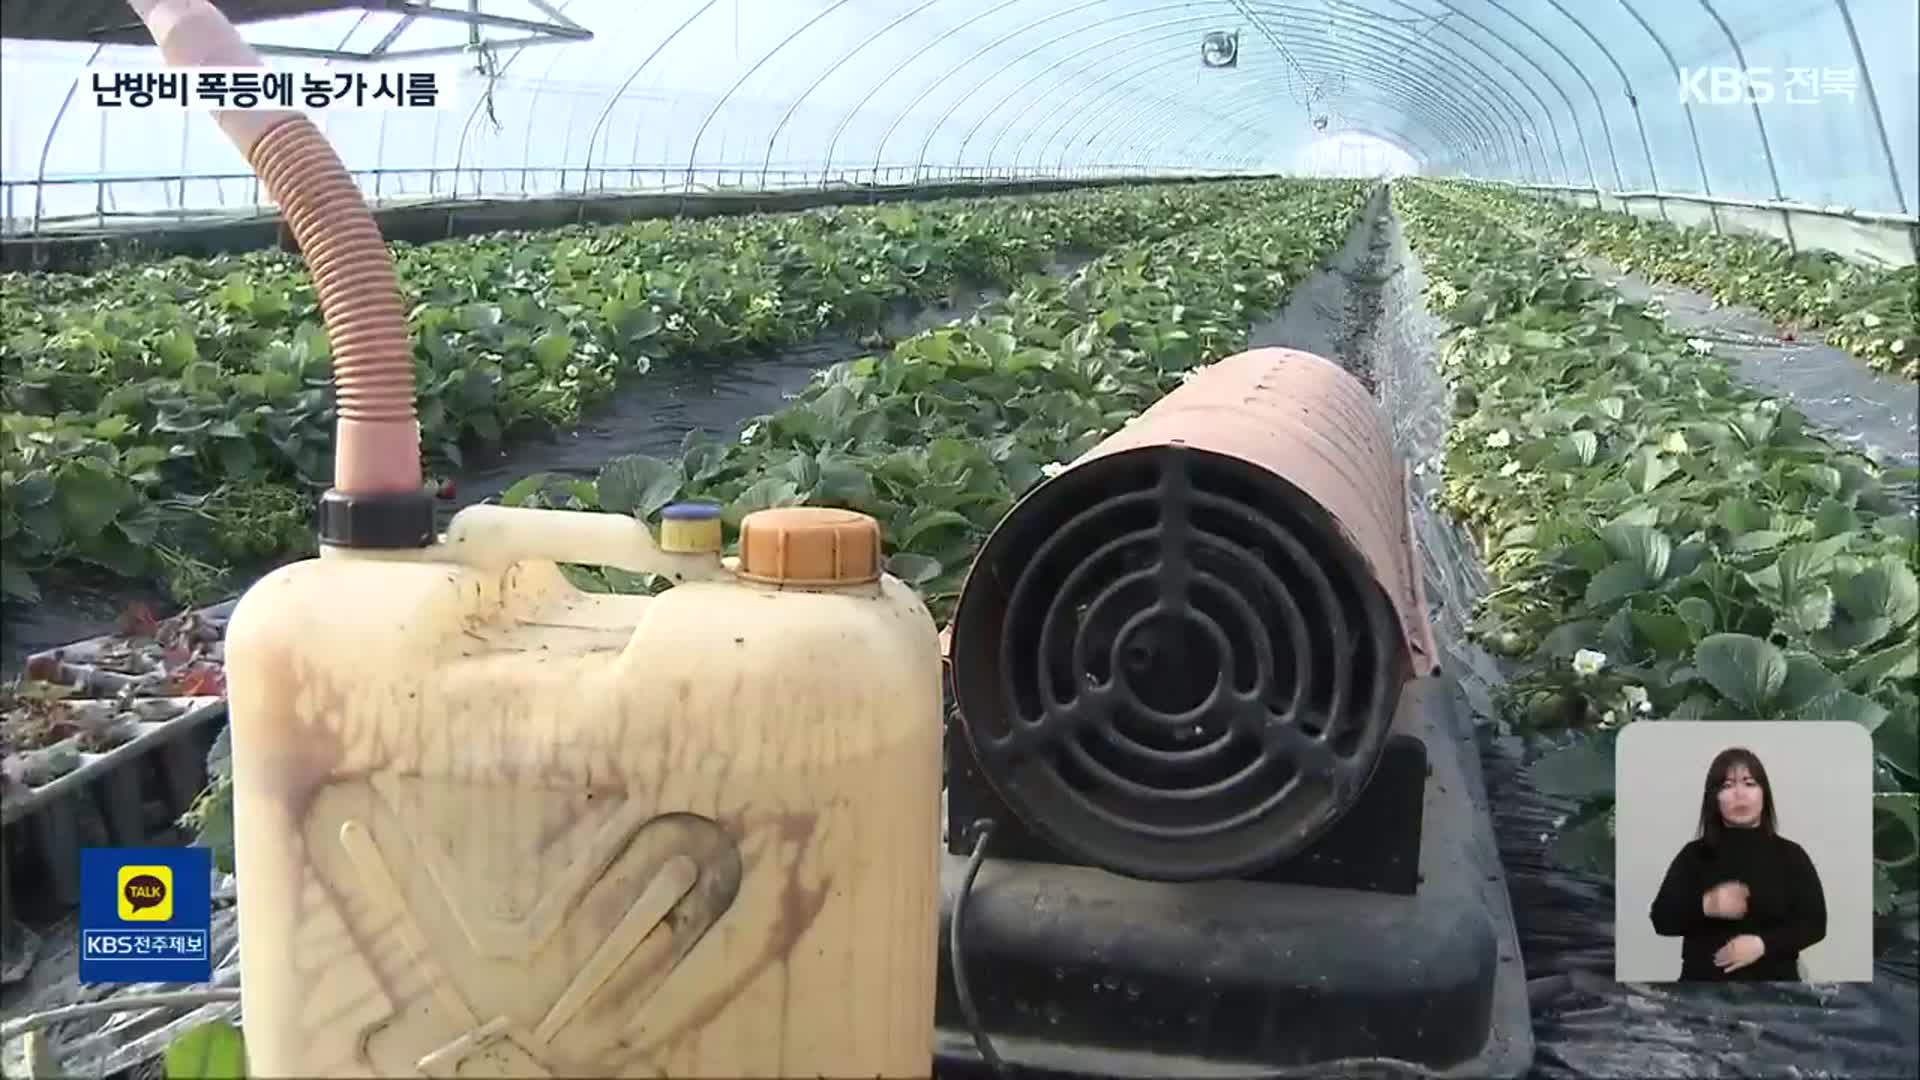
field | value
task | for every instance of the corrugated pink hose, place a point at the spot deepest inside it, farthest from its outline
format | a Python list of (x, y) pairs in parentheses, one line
[(377, 441)]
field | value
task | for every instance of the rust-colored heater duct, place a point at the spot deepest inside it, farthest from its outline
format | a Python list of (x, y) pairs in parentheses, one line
[(1180, 658)]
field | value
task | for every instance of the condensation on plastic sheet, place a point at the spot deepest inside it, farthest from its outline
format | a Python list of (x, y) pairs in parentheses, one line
[(1586, 1024)]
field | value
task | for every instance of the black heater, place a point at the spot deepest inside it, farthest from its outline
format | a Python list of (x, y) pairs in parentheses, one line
[(1233, 823)]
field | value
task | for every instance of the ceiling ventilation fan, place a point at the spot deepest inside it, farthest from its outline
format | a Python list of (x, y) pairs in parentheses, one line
[(1220, 49)]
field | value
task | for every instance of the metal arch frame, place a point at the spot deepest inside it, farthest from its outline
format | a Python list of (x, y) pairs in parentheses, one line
[(1873, 105), (1109, 115), (1235, 116), (46, 145), (1445, 135), (1049, 69), (1459, 121), (1527, 128), (1463, 119), (1387, 134), (1606, 130), (1633, 95), (1466, 116), (1522, 127), (1160, 41), (1406, 143), (880, 148), (1686, 107), (1759, 122), (1573, 114), (773, 137), (586, 163), (1211, 129), (833, 143), (460, 150), (693, 151)]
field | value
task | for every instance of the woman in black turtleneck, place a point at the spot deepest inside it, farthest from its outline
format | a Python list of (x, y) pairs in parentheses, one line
[(1745, 900)]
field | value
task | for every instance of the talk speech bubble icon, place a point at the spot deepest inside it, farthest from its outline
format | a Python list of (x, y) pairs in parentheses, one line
[(146, 893)]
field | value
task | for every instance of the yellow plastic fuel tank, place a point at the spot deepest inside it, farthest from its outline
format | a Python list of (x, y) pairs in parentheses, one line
[(490, 825)]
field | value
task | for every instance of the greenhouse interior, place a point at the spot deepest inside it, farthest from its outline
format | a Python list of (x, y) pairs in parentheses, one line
[(1475, 445)]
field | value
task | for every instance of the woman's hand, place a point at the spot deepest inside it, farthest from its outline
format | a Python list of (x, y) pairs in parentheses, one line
[(1739, 952), (1727, 900)]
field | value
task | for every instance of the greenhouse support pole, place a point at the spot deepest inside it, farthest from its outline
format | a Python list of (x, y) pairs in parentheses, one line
[(1873, 106), (1686, 107), (1573, 114), (1766, 144), (766, 160), (833, 141), (693, 152), (614, 98), (880, 148), (1606, 129), (46, 145), (1633, 97)]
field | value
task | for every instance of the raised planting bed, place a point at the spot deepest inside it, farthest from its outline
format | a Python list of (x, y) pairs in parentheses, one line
[(1867, 310), (1665, 542), (174, 420), (105, 742)]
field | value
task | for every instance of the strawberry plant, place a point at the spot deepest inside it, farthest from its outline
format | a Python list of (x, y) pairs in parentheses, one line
[(175, 418), (1870, 311), (1666, 543)]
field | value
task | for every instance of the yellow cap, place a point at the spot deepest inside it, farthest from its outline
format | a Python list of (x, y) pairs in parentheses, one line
[(809, 545), (690, 529)]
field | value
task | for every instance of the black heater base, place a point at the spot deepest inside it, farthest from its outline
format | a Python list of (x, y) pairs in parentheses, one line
[(1079, 972)]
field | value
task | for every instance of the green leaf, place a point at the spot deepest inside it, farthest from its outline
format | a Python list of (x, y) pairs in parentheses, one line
[(637, 484), (1649, 470), (1743, 668), (1643, 545), (1807, 681), (90, 496), (552, 351), (1616, 582), (1899, 661), (17, 583), (1896, 829), (1586, 847), (1584, 446), (1898, 741), (1699, 615), (1667, 635), (1578, 770), (520, 491), (211, 1051), (1812, 609), (1845, 705), (927, 521), (913, 569), (1885, 590)]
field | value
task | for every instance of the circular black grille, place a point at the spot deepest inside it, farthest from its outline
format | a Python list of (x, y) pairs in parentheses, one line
[(1169, 664)]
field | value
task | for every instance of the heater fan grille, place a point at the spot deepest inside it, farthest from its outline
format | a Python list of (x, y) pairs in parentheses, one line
[(1175, 668)]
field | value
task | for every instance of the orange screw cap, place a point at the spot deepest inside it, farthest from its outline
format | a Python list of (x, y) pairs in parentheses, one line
[(809, 545)]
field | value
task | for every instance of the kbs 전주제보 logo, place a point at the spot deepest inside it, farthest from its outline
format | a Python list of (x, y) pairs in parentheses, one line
[(146, 915)]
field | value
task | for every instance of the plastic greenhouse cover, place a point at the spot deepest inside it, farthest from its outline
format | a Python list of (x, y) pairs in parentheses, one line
[(1808, 101)]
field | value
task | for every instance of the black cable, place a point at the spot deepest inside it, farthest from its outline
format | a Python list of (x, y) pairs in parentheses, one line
[(981, 1041)]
